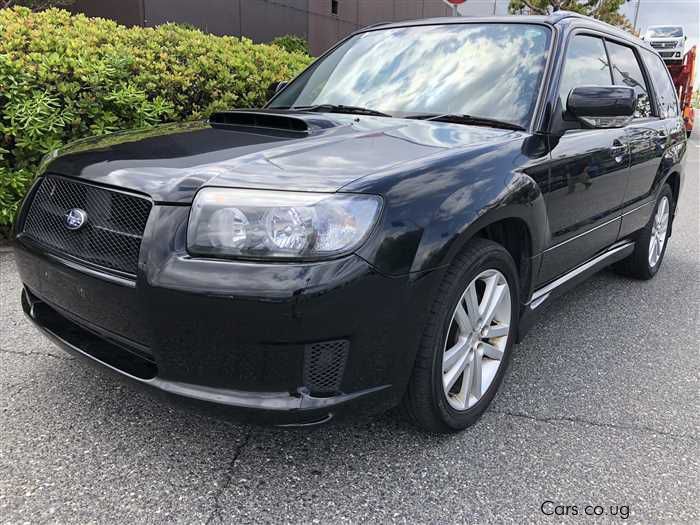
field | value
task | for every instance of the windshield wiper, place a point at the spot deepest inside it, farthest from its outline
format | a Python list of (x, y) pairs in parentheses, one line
[(339, 108), (469, 119)]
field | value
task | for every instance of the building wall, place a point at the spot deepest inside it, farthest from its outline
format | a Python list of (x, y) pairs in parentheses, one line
[(260, 20), (127, 12), (263, 20), (220, 17), (326, 28)]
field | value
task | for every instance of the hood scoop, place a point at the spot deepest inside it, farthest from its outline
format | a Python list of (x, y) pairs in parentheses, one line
[(270, 121)]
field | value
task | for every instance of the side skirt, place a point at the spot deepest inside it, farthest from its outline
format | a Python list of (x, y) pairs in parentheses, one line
[(566, 282)]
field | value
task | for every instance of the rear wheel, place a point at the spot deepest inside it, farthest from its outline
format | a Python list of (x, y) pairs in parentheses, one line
[(650, 247), (467, 342)]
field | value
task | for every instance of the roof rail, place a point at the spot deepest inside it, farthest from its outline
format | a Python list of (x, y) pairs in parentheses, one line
[(556, 16)]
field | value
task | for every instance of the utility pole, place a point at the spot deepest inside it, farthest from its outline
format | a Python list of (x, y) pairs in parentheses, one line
[(636, 14)]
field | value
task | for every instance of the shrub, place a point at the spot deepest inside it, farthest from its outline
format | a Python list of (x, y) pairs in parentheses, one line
[(292, 44), (13, 185), (63, 77)]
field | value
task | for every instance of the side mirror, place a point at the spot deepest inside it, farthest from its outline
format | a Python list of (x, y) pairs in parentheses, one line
[(275, 88), (602, 106)]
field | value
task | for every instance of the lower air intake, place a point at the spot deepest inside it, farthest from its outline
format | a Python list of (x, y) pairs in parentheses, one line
[(324, 364)]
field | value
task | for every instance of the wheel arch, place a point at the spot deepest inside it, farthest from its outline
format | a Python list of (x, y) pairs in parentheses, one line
[(513, 233), (517, 220), (674, 181)]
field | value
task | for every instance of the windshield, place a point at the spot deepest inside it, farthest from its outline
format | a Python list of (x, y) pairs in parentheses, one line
[(665, 32), (486, 70)]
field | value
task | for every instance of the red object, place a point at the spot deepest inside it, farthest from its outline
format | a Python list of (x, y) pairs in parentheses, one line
[(683, 75), (455, 2)]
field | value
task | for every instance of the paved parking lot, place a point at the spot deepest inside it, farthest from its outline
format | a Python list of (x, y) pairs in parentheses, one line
[(600, 407)]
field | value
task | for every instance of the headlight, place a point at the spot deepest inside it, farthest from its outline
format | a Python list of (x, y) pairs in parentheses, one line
[(266, 224)]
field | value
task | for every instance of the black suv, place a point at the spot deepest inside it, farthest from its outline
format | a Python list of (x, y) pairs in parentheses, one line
[(380, 233)]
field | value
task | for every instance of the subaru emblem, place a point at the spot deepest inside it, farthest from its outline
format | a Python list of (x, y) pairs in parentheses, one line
[(75, 219)]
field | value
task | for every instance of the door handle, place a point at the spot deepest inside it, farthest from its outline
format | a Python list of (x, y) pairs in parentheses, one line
[(618, 151), (661, 137), (660, 141)]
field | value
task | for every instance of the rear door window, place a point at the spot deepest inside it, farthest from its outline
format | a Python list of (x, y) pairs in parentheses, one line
[(663, 87), (627, 72)]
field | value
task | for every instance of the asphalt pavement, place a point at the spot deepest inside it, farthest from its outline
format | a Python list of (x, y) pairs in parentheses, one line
[(599, 410)]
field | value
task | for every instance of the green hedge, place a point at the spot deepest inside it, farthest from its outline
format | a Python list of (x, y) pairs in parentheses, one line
[(63, 77), (292, 43)]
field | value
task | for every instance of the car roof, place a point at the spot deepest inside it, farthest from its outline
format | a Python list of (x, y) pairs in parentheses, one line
[(536, 19), (554, 19)]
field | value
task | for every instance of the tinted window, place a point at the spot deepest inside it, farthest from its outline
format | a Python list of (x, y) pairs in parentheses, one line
[(663, 87), (485, 70), (586, 64), (626, 72)]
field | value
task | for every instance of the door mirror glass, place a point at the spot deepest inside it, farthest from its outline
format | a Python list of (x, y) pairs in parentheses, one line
[(602, 106)]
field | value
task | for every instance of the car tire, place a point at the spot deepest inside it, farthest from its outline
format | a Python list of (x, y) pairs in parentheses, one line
[(483, 266), (643, 263)]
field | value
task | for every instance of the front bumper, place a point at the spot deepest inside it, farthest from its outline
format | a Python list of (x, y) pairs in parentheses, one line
[(280, 408), (233, 337), (671, 56)]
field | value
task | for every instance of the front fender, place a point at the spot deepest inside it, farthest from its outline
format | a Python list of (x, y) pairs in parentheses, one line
[(433, 209), (469, 210)]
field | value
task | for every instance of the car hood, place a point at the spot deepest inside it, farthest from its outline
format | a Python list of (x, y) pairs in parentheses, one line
[(260, 149)]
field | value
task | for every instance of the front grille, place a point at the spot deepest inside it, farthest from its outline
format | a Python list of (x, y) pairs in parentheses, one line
[(324, 364), (110, 236), (666, 54), (663, 45)]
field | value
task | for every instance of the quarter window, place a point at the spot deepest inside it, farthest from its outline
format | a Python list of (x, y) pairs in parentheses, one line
[(586, 64), (626, 72), (665, 92)]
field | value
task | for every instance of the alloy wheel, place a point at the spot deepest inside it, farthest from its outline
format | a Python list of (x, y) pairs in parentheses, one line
[(658, 232), (476, 339)]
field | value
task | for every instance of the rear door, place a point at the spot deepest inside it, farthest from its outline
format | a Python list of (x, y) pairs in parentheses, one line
[(650, 134), (588, 170), (647, 135)]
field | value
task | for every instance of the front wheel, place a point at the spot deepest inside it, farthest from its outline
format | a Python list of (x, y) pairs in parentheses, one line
[(650, 246), (467, 342)]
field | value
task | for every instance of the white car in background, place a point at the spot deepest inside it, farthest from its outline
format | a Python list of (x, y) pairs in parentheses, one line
[(669, 41)]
